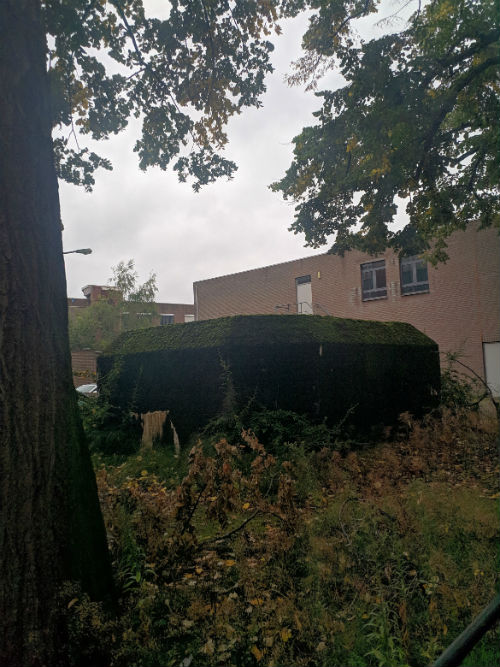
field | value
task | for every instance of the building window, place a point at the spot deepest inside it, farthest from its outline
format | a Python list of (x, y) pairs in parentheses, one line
[(414, 275), (189, 317), (373, 281), (166, 319)]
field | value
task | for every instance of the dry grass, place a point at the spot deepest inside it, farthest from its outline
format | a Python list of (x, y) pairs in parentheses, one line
[(376, 557)]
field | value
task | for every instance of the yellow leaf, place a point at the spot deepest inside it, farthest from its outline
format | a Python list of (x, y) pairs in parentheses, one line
[(285, 634), (256, 602), (351, 144), (494, 496), (246, 506), (229, 563), (257, 653), (208, 648), (445, 629), (144, 473), (72, 602), (198, 570)]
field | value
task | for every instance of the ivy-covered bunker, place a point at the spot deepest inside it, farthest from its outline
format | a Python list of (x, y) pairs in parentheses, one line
[(324, 367)]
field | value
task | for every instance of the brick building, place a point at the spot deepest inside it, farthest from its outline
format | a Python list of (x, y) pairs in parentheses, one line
[(456, 303), (84, 361), (173, 313), (166, 313)]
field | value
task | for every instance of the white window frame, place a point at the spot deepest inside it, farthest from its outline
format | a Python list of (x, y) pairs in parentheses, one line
[(371, 270), (167, 315), (415, 286)]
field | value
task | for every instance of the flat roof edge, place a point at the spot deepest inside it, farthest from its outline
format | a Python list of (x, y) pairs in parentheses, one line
[(260, 268)]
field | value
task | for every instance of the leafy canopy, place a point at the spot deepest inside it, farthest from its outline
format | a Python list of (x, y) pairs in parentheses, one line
[(418, 119), (125, 280), (184, 77)]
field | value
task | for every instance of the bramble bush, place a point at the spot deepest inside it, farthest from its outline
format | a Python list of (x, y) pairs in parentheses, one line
[(462, 388), (458, 392), (109, 429), (310, 557), (275, 429)]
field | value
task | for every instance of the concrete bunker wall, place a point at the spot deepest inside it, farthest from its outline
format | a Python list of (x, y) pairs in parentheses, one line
[(322, 367)]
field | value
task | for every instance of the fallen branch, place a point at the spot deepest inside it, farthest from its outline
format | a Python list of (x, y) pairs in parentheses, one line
[(226, 536)]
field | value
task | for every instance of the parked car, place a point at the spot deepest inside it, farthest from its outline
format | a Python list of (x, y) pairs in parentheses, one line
[(87, 389)]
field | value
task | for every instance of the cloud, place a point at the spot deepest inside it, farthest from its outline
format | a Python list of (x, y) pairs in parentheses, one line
[(229, 226)]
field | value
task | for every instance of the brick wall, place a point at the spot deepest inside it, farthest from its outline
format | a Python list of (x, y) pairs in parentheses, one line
[(75, 305), (178, 310), (460, 311), (83, 363)]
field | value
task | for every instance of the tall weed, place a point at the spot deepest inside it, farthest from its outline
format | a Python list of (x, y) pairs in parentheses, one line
[(314, 557)]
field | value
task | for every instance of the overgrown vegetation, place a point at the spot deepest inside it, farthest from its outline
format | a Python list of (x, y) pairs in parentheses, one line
[(462, 388), (277, 430), (127, 306), (297, 553), (109, 430), (318, 366)]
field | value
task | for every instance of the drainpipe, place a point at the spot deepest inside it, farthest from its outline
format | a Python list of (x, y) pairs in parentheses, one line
[(195, 290)]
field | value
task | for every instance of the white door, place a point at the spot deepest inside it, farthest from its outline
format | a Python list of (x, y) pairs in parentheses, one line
[(304, 295), (491, 353)]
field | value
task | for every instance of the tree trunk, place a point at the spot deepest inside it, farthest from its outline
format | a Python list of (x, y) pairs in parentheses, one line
[(51, 528)]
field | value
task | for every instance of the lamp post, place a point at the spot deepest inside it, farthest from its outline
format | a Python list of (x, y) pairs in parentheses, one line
[(81, 251)]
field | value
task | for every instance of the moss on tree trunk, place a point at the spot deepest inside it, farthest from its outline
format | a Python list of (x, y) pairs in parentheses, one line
[(51, 527)]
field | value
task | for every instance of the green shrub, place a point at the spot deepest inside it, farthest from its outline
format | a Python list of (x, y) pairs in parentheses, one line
[(461, 387), (457, 391), (275, 429), (323, 367), (109, 430)]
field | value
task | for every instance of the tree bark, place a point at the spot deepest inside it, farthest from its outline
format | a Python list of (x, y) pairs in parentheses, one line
[(51, 528)]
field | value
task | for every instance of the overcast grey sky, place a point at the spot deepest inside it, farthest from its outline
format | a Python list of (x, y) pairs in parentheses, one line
[(184, 236)]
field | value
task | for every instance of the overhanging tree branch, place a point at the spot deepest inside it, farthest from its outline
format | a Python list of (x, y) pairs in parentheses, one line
[(447, 105)]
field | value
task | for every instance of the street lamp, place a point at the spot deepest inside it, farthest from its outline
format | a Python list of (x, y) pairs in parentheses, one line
[(81, 251)]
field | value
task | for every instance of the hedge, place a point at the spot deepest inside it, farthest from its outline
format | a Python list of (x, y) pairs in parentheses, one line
[(323, 367)]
